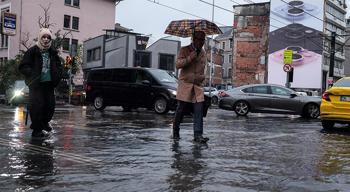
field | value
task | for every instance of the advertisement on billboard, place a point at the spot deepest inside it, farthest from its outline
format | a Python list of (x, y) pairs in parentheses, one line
[(296, 26)]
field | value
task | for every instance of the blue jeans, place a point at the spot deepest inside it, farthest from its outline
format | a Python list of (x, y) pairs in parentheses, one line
[(197, 117)]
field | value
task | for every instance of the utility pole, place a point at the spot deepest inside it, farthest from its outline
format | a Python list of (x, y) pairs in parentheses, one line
[(211, 52), (331, 60)]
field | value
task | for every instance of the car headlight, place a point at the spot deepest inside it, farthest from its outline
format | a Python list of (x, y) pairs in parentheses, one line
[(172, 91), (18, 93)]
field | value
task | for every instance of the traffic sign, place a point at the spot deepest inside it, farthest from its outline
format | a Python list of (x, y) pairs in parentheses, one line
[(287, 68), (288, 57)]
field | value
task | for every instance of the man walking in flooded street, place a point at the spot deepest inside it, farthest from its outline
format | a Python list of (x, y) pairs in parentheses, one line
[(192, 62)]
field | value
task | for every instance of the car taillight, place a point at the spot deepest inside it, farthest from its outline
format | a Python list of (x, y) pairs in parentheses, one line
[(223, 94), (325, 96)]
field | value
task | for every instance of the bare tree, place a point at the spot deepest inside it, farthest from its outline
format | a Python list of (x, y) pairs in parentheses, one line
[(25, 41), (44, 22)]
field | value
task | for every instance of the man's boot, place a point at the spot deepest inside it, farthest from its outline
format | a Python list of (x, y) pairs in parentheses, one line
[(176, 133), (200, 139)]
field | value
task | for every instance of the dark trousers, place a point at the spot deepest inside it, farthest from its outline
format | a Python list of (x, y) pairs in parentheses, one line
[(41, 105), (197, 117)]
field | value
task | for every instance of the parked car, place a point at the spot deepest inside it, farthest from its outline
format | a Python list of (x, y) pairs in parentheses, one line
[(131, 87), (213, 94), (18, 93), (335, 105), (269, 98)]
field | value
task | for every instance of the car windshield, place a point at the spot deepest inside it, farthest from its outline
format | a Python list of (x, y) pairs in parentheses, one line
[(342, 83), (163, 76)]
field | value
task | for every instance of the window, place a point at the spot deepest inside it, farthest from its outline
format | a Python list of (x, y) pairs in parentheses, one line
[(256, 89), (3, 60), (223, 73), (126, 76), (94, 54), (230, 59), (260, 89), (4, 41), (97, 75), (231, 43), (66, 22), (167, 62), (74, 3), (75, 23), (230, 72), (280, 91), (223, 45), (65, 44), (333, 11), (142, 59), (4, 38), (74, 46)]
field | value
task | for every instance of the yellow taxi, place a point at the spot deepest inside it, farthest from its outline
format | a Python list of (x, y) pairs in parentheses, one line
[(335, 104)]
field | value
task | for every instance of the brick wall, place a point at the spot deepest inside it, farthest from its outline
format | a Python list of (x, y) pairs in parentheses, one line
[(250, 44)]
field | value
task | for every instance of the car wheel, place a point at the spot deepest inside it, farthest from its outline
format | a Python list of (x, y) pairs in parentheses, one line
[(214, 100), (241, 108), (311, 110), (161, 105), (99, 103), (327, 124)]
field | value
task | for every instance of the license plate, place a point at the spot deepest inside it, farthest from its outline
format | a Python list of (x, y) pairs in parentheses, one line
[(345, 98)]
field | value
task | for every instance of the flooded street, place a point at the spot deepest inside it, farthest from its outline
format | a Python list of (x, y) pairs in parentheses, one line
[(133, 151)]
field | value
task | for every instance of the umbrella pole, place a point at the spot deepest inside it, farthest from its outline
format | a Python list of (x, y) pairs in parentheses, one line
[(211, 52)]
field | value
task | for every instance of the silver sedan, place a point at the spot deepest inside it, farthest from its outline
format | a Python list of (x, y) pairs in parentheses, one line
[(269, 98)]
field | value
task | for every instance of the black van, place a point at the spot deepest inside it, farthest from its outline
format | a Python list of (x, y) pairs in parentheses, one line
[(131, 87)]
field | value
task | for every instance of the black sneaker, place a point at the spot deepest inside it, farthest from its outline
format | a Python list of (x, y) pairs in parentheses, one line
[(201, 139), (40, 134), (48, 128)]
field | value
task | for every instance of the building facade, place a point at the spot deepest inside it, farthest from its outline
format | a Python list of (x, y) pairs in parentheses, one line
[(347, 49), (334, 21), (214, 56), (69, 16), (226, 43), (127, 49)]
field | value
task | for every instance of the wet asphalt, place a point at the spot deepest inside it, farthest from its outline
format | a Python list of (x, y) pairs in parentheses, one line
[(132, 151)]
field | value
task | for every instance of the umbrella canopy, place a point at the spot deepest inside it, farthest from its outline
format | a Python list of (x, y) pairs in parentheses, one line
[(186, 27)]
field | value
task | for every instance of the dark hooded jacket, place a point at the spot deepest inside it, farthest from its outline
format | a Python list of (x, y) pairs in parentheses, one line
[(31, 66)]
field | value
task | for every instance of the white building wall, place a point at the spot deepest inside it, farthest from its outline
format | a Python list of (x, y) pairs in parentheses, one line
[(163, 46)]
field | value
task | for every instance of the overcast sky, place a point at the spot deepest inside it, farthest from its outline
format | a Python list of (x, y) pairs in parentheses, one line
[(151, 17)]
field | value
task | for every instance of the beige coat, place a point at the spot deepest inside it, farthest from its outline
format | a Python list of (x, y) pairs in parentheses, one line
[(190, 85)]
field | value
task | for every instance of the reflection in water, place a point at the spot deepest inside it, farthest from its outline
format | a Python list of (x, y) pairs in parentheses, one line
[(19, 119), (38, 164), (336, 153), (187, 168)]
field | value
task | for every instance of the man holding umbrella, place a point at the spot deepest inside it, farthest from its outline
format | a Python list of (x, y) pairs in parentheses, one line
[(192, 61)]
